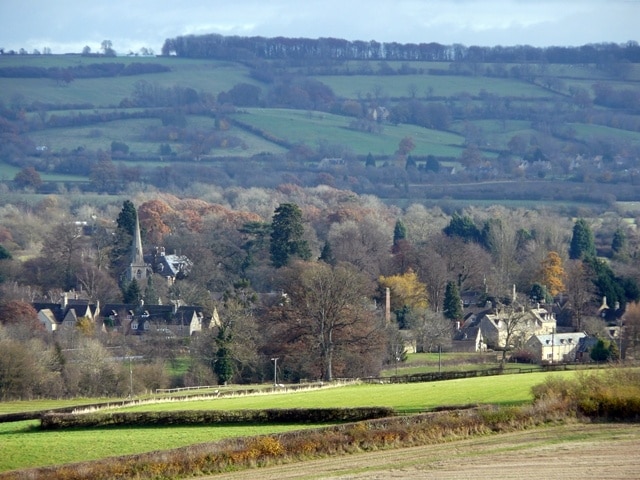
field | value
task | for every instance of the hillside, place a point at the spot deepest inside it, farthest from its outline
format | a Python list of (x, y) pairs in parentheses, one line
[(392, 127)]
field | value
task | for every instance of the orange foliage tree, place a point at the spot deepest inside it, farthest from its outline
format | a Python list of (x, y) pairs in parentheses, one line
[(152, 216), (552, 274)]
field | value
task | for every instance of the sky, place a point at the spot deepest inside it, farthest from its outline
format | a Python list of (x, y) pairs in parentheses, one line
[(67, 26)]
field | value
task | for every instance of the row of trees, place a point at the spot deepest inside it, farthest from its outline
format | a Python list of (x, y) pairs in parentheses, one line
[(243, 48)]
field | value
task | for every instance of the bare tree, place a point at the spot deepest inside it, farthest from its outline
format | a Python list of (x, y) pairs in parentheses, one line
[(326, 316), (431, 330), (580, 292), (512, 329)]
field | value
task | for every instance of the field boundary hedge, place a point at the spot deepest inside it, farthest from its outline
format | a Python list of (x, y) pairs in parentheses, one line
[(57, 421)]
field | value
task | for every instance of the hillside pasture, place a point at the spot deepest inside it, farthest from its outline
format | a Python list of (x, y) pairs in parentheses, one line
[(132, 132), (313, 127), (206, 76), (398, 86)]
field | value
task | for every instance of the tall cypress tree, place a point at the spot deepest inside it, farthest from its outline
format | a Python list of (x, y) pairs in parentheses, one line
[(127, 217), (223, 366), (399, 232), (582, 242), (452, 302), (286, 235)]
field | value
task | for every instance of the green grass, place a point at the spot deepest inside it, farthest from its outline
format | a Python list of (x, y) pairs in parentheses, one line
[(361, 86), (416, 397), (202, 75), (312, 127), (25, 446)]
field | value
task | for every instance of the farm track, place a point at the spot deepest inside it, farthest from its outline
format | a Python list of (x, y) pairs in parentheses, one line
[(576, 451)]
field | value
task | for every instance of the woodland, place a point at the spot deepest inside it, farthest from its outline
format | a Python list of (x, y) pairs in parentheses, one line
[(233, 156)]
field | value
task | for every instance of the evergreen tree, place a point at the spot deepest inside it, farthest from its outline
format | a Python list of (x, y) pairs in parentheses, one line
[(4, 253), (539, 293), (399, 232), (582, 242), (286, 235), (452, 302), (132, 294), (432, 164), (600, 352), (127, 217), (326, 255), (370, 162), (150, 293), (223, 366), (120, 254), (619, 243), (464, 228)]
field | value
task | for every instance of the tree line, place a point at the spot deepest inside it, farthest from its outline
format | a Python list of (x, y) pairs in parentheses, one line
[(281, 48)]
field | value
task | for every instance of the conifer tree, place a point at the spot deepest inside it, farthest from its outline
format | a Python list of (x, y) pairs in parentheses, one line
[(286, 235), (399, 232), (582, 242), (452, 302)]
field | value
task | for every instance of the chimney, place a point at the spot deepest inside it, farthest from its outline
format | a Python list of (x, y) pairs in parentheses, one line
[(387, 307)]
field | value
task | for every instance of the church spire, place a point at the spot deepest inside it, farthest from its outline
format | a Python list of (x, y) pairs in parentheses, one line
[(138, 269), (137, 257)]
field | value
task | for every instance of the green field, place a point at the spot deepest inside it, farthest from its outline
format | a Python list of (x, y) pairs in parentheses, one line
[(207, 76), (362, 86), (23, 445), (312, 127)]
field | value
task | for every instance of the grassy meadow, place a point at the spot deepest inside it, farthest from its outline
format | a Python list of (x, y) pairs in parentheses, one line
[(311, 128), (24, 445)]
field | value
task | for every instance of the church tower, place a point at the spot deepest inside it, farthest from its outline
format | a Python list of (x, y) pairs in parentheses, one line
[(138, 269)]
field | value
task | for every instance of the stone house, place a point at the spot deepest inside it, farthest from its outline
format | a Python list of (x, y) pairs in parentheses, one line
[(65, 314), (518, 322), (555, 347)]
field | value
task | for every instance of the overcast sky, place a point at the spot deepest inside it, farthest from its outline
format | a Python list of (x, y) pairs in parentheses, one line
[(69, 25)]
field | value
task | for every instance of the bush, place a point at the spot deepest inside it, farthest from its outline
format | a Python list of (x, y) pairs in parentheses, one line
[(612, 395)]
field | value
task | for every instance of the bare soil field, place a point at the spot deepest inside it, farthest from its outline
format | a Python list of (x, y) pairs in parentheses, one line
[(576, 451)]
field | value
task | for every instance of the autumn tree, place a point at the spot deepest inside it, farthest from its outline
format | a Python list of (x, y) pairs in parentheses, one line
[(28, 177), (552, 274), (287, 235), (326, 324), (153, 215), (19, 313), (407, 294)]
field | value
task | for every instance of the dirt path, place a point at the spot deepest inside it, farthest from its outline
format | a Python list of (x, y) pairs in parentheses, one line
[(554, 453)]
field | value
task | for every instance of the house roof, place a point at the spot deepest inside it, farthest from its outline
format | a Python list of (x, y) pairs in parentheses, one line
[(558, 339)]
